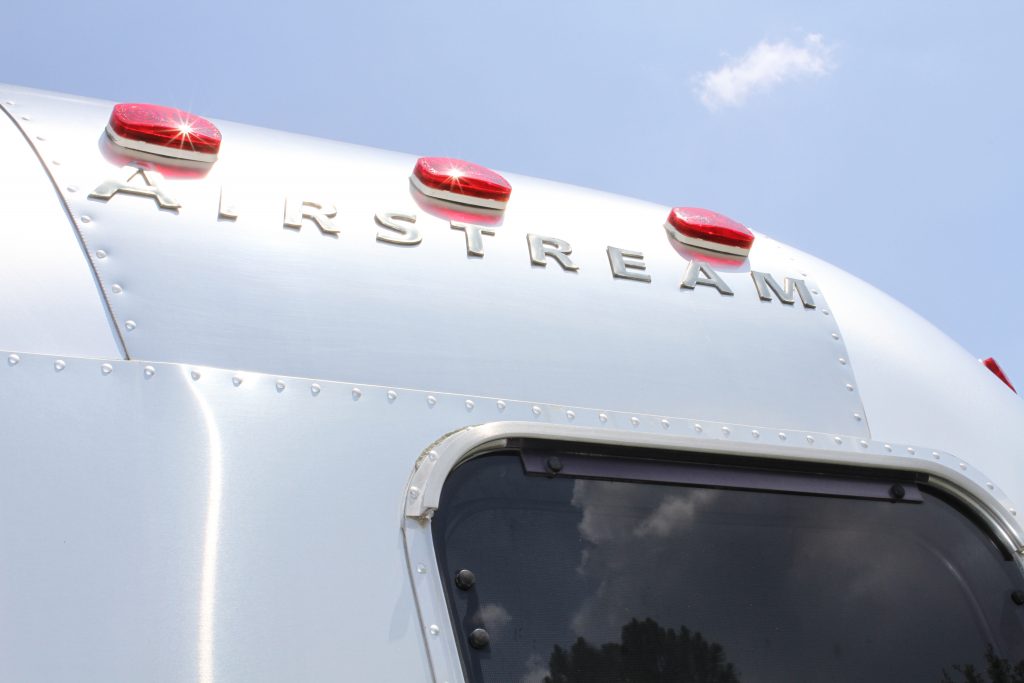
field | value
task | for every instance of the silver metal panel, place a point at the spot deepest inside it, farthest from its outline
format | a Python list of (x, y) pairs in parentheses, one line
[(247, 289), (51, 301), (242, 526), (920, 386), (223, 532)]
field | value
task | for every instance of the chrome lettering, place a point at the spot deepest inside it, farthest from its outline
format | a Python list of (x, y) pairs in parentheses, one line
[(766, 284), (150, 188), (404, 234), (543, 247), (321, 213), (474, 239), (628, 265), (700, 273)]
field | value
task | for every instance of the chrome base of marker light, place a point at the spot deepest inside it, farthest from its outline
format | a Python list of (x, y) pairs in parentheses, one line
[(445, 195), (159, 150), (705, 244)]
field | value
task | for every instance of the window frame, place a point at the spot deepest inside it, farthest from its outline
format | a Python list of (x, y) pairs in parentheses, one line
[(944, 471)]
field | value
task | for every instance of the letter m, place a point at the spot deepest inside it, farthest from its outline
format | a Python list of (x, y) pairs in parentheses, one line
[(787, 294)]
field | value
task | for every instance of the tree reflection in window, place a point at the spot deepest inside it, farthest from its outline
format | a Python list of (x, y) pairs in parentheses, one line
[(997, 670), (648, 653)]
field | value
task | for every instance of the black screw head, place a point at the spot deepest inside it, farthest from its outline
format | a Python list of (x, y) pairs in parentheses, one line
[(479, 639), (897, 491), (465, 579), (1017, 597), (554, 464)]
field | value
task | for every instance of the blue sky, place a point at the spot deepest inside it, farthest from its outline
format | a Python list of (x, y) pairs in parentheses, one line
[(883, 137)]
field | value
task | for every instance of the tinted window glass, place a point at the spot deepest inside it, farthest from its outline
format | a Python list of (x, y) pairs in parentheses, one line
[(608, 580)]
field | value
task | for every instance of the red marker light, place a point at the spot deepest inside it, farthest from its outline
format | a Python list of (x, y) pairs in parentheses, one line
[(165, 131), (460, 181), (709, 230), (992, 365)]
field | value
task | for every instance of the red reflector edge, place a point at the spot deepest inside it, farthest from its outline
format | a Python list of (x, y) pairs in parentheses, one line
[(709, 230), (992, 365), (165, 131), (455, 180)]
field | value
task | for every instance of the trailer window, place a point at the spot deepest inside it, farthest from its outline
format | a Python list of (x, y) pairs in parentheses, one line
[(684, 576)]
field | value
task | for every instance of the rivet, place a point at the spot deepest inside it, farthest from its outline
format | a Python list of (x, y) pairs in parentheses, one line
[(26, 117), (469, 405), (101, 254), (421, 568), (85, 219), (431, 401), (392, 395), (434, 629), (479, 639), (602, 417), (936, 456), (116, 288), (501, 405), (195, 375), (236, 380), (635, 421), (279, 385), (149, 371), (963, 466), (129, 325), (989, 485), (59, 365), (55, 162), (782, 436), (665, 424), (570, 415), (9, 103), (1013, 512), (897, 491), (314, 389), (535, 410), (756, 434), (835, 336), (414, 492), (71, 188), (842, 361), (698, 428), (432, 456), (809, 438), (888, 447), (726, 431), (838, 440), (553, 464), (40, 138), (824, 312), (911, 450), (13, 359), (815, 292), (1017, 597), (863, 443), (106, 368), (849, 387), (858, 417), (357, 393)]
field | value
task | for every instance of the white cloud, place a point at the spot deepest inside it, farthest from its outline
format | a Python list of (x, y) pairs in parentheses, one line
[(761, 69)]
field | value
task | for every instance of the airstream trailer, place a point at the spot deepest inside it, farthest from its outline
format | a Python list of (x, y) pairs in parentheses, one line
[(277, 408)]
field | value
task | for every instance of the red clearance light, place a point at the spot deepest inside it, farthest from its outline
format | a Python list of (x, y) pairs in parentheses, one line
[(165, 131), (709, 230), (992, 365), (460, 181)]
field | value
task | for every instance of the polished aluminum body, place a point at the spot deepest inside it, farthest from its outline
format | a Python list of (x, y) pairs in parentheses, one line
[(227, 389)]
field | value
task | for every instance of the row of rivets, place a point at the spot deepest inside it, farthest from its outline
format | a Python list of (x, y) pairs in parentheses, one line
[(149, 371)]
